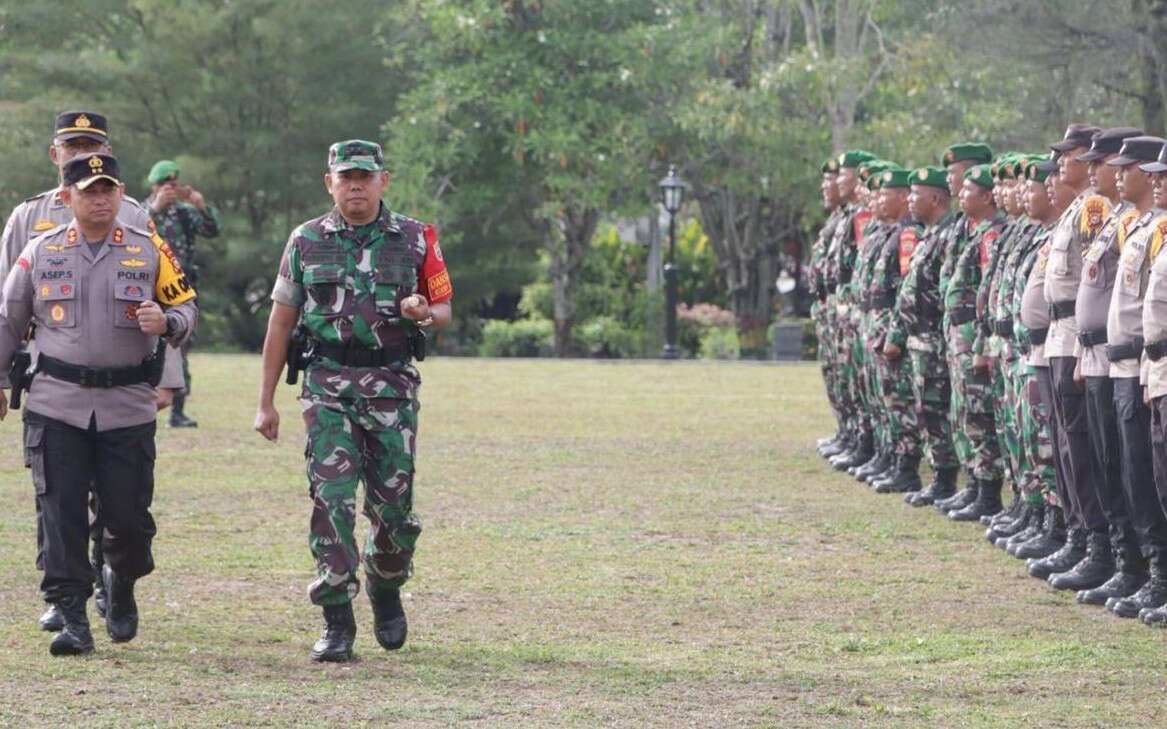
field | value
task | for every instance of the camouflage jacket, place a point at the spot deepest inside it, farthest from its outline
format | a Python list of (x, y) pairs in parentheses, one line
[(918, 306), (960, 296), (348, 284), (818, 254), (180, 223), (989, 309)]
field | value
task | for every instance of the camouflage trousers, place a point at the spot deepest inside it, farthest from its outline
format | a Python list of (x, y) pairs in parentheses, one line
[(1038, 450), (932, 389), (975, 416), (370, 440), (1005, 413), (828, 356), (899, 400), (873, 401)]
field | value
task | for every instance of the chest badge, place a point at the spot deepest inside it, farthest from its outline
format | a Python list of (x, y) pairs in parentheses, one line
[(57, 312), (45, 291), (133, 263), (133, 249)]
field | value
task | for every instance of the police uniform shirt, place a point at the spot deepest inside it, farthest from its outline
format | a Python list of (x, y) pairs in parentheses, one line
[(46, 211), (1034, 311), (1154, 374), (84, 305), (1099, 265), (1064, 267), (1124, 323)]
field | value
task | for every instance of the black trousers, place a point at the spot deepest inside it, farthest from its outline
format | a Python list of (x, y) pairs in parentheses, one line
[(66, 462), (1106, 463), (1073, 444), (1046, 388), (1135, 419)]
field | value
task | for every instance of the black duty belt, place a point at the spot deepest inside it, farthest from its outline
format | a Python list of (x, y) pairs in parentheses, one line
[(880, 301), (1092, 337), (357, 356), (1156, 350), (1062, 309), (963, 316), (1037, 336), (1126, 350), (94, 376), (1003, 327)]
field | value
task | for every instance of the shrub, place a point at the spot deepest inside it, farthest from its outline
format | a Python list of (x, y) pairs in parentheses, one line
[(522, 338), (604, 336), (719, 343)]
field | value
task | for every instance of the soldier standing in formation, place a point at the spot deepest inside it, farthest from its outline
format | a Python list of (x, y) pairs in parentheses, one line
[(1017, 325)]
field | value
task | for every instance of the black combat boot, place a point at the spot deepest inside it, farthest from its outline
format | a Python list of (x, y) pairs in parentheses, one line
[(121, 611), (1153, 594), (1130, 574), (961, 499), (1094, 569), (942, 487), (1016, 507), (1028, 515), (843, 443), (340, 630), (864, 450), (988, 502), (1062, 556), (178, 418), (1050, 525), (905, 477), (876, 464), (388, 618), (52, 620), (74, 638), (829, 440)]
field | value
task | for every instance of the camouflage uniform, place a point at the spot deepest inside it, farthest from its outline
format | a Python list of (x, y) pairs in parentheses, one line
[(975, 416), (361, 420), (915, 327), (890, 263), (840, 267), (822, 311), (179, 225), (1030, 324)]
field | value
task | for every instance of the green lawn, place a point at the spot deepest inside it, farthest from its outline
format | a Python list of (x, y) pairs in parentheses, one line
[(631, 545)]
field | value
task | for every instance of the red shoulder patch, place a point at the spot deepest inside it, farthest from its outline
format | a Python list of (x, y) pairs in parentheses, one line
[(987, 241), (908, 243), (862, 218)]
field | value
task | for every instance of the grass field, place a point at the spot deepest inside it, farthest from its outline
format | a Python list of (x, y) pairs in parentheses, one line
[(630, 545)]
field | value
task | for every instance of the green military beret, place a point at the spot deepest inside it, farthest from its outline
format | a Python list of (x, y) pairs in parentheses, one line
[(855, 157), (163, 169), (980, 174), (831, 166), (870, 171), (896, 177), (1034, 170), (968, 151), (930, 176)]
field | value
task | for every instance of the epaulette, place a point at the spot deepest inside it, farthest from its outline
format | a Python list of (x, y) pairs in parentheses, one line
[(1158, 235), (39, 195), (135, 229)]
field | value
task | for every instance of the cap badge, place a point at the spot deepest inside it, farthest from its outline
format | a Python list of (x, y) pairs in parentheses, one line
[(95, 165), (82, 121), (887, 177), (922, 174), (976, 173)]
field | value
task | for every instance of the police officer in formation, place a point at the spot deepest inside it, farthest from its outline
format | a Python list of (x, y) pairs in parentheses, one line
[(1006, 316)]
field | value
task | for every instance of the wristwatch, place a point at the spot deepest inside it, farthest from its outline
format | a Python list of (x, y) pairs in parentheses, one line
[(426, 321)]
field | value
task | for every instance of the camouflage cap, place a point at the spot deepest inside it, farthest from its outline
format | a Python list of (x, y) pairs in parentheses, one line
[(968, 151), (981, 175), (83, 171), (931, 177), (855, 157), (355, 154)]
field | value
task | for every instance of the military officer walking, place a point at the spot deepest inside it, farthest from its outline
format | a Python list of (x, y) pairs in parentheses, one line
[(364, 283)]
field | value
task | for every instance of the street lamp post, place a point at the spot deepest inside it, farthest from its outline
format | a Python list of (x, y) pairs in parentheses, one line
[(672, 190)]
